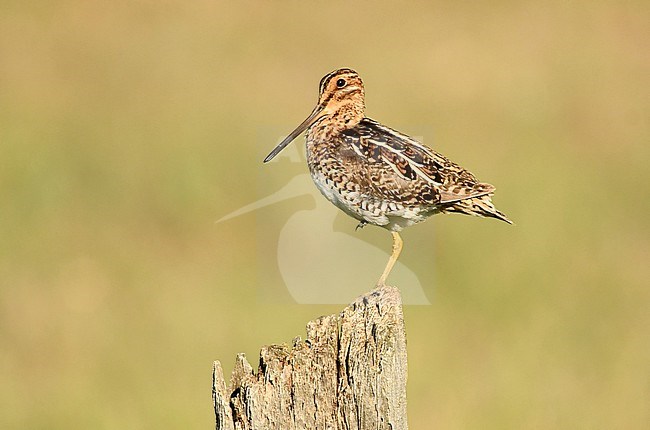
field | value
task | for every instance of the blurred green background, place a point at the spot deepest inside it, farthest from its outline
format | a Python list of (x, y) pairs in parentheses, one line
[(128, 128)]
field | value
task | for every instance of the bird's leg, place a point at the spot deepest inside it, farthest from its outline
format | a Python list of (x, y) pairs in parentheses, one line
[(361, 224), (397, 248)]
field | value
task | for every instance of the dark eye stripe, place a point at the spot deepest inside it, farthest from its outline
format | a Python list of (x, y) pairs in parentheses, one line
[(335, 74)]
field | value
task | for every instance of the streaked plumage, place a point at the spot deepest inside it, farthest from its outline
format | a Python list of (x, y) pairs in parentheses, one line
[(378, 175)]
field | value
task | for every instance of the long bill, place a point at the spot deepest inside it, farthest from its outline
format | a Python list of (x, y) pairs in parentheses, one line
[(316, 113)]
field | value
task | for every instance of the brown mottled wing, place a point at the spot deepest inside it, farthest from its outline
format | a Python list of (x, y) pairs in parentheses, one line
[(417, 166)]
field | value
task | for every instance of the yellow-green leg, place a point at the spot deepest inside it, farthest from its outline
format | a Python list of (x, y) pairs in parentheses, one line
[(397, 248)]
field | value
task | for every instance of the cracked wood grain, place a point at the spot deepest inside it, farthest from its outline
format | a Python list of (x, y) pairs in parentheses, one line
[(348, 374)]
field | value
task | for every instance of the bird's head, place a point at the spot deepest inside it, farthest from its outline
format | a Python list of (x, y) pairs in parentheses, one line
[(341, 92), (341, 96)]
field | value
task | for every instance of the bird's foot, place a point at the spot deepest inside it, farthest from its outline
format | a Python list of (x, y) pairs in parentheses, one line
[(361, 224)]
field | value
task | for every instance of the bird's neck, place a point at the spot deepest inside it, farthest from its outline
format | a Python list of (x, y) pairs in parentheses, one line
[(344, 118)]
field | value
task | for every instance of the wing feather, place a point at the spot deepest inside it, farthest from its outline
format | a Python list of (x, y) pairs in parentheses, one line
[(411, 160)]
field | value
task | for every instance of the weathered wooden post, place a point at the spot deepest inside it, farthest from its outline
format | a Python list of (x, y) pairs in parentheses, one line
[(349, 374)]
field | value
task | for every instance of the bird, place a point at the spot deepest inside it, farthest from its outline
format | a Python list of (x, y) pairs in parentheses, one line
[(378, 175)]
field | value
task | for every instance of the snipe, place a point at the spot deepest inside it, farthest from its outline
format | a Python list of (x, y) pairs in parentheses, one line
[(378, 175)]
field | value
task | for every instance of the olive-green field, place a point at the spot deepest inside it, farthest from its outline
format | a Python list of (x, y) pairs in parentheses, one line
[(127, 129)]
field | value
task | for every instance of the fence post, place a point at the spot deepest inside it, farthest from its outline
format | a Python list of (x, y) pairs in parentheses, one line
[(348, 374)]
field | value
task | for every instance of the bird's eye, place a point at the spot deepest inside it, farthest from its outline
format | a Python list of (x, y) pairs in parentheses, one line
[(340, 83)]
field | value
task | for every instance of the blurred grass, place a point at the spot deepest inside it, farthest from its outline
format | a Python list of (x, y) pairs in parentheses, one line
[(128, 128)]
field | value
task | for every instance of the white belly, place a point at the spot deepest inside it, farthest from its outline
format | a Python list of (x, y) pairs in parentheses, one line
[(391, 216)]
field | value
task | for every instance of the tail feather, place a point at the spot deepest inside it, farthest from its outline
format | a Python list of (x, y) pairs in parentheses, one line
[(478, 206)]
